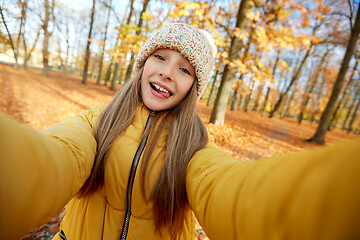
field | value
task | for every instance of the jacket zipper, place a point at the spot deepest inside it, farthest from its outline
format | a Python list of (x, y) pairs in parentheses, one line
[(130, 184)]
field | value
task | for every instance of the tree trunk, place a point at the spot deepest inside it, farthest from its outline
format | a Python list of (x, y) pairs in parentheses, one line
[(293, 80), (131, 11), (113, 80), (268, 87), (87, 54), (265, 100), (9, 35), (248, 97), (311, 88), (45, 52), (219, 110), (344, 92), (108, 73), (236, 99), (257, 98), (353, 117), (138, 31), (28, 55), (350, 108), (347, 116), (305, 101), (21, 31), (212, 88), (285, 113), (103, 48), (67, 43), (94, 65), (319, 136)]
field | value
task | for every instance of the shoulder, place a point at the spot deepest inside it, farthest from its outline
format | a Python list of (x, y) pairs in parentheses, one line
[(210, 157), (92, 115)]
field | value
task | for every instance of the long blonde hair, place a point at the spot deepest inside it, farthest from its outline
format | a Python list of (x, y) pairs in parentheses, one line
[(187, 134)]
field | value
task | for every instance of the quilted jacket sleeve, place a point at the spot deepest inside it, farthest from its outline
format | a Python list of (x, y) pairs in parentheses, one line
[(41, 171), (306, 195)]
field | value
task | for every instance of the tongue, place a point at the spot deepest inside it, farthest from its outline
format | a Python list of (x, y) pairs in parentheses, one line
[(164, 94)]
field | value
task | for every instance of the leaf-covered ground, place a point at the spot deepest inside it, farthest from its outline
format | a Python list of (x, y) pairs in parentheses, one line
[(41, 102)]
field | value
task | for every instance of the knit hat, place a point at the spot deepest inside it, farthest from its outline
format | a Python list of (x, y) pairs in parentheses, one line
[(194, 44)]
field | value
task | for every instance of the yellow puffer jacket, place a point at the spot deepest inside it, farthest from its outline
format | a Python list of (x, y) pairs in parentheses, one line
[(305, 195)]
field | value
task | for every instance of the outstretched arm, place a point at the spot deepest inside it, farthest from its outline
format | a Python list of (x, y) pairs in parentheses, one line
[(305, 195), (41, 171)]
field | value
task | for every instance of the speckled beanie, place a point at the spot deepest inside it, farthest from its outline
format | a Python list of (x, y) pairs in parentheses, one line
[(195, 44)]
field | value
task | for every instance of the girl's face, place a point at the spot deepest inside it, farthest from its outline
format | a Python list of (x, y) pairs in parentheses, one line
[(166, 79)]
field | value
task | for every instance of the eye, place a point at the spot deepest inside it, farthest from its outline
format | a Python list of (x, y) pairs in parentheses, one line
[(185, 71), (160, 57)]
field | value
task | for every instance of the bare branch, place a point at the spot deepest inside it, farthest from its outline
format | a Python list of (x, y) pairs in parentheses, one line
[(8, 32)]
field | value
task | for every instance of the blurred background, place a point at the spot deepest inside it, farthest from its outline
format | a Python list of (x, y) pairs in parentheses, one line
[(274, 56), (286, 70)]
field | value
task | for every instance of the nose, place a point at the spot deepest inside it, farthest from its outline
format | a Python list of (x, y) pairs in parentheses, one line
[(167, 72)]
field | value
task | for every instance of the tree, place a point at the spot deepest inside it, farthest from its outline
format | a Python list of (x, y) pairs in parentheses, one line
[(14, 47), (353, 116), (344, 92), (212, 87), (117, 62), (310, 88), (349, 110), (262, 110), (295, 76), (218, 112), (45, 52), (319, 136), (138, 31), (103, 45), (87, 53)]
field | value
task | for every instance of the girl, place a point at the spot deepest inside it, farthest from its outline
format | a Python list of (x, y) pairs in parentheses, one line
[(139, 167)]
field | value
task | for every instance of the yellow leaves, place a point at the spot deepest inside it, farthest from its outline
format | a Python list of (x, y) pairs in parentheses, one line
[(186, 8), (259, 64), (249, 75), (306, 42), (283, 64), (241, 34), (261, 37), (191, 5), (239, 65), (250, 15), (282, 14), (199, 13), (147, 16), (224, 54), (315, 39), (183, 12), (254, 69)]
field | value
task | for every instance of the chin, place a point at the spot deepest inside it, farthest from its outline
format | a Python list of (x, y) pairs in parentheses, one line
[(154, 106)]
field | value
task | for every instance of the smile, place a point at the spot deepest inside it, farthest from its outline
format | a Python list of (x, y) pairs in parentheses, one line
[(161, 90)]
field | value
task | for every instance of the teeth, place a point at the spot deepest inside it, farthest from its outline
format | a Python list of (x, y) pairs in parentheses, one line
[(160, 88)]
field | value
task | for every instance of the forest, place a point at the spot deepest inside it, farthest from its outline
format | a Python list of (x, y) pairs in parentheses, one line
[(281, 65), (294, 59)]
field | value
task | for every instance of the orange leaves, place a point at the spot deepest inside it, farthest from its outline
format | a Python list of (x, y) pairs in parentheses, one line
[(262, 38), (241, 67), (192, 10), (253, 16), (241, 34)]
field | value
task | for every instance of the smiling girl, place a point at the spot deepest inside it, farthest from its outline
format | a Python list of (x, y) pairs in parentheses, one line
[(141, 166)]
